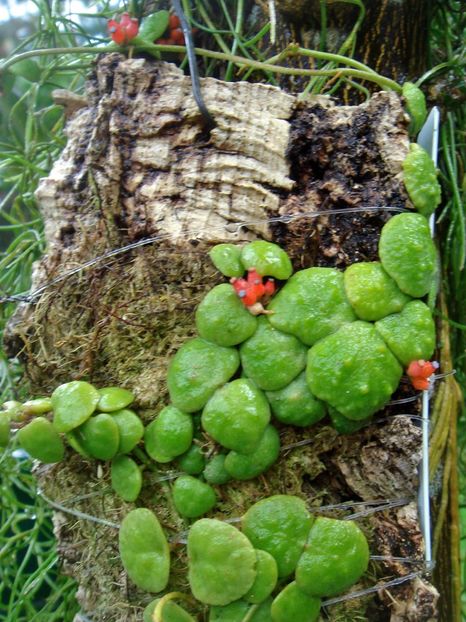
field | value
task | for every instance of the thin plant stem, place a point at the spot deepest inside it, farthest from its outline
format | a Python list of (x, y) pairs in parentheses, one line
[(371, 76), (237, 35), (450, 166)]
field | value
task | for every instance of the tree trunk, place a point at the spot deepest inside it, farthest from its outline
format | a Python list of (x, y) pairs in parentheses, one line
[(138, 165), (393, 37)]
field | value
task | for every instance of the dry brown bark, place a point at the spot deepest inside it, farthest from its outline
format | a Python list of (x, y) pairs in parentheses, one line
[(138, 165)]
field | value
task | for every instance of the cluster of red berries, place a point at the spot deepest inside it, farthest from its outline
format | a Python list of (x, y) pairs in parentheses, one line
[(123, 31), (419, 373), (174, 33), (252, 289), (127, 28)]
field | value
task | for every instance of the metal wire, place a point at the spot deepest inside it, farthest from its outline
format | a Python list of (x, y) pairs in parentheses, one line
[(234, 227)]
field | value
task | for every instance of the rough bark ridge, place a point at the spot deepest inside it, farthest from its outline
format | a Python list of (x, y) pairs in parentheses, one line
[(138, 165)]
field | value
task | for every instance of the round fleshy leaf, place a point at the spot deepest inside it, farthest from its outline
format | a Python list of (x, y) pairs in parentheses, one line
[(114, 398), (130, 427), (343, 425), (99, 436), (267, 259), (144, 550), (408, 254), (420, 179), (280, 526), (372, 293), (169, 435), (410, 335), (266, 578), (295, 404), (236, 612), (221, 562), (353, 370), (293, 605), (264, 611), (197, 370), (248, 466), (193, 461), (311, 305), (215, 472), (126, 478), (193, 498), (171, 612), (42, 441), (38, 406), (73, 403), (416, 106), (237, 415), (227, 259), (335, 557), (74, 441), (223, 319), (272, 358)]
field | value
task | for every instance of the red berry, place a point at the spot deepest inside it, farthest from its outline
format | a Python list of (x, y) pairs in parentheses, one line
[(122, 32), (421, 384), (177, 36), (270, 287), (239, 284), (168, 41), (419, 373), (174, 22), (249, 299)]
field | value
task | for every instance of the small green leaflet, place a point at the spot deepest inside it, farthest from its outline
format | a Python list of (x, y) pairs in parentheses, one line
[(153, 26)]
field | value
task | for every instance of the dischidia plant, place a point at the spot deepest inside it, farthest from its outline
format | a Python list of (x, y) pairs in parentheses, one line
[(275, 350), (292, 354), (263, 360)]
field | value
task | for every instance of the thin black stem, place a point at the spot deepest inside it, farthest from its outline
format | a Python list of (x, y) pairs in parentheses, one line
[(196, 85)]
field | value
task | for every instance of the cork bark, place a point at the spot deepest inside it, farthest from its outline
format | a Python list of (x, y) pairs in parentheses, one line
[(139, 165)]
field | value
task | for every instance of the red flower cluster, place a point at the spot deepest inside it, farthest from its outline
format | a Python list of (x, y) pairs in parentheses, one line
[(125, 30), (252, 289), (174, 32), (419, 373)]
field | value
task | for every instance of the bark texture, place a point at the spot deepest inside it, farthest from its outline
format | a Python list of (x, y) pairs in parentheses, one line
[(138, 165), (392, 37)]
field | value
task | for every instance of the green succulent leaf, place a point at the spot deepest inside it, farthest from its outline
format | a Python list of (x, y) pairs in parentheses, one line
[(153, 26)]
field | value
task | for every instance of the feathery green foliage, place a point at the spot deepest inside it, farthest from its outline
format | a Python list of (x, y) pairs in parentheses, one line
[(31, 587), (446, 82)]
